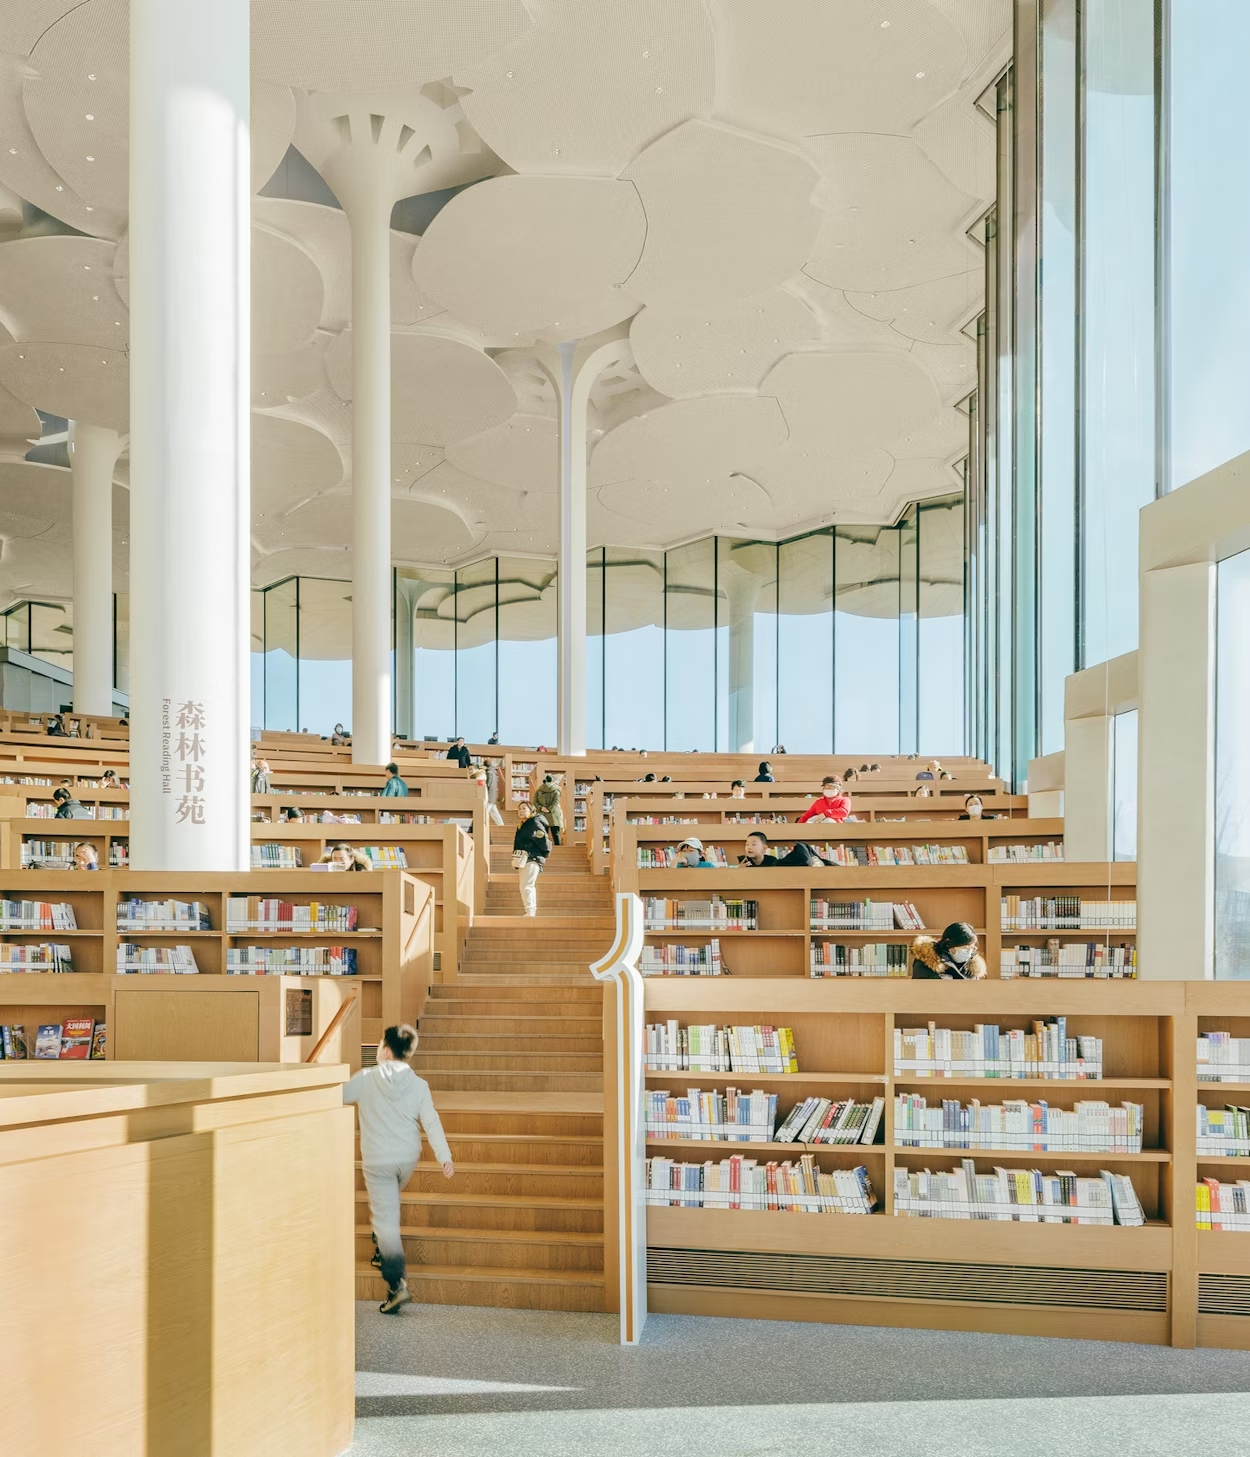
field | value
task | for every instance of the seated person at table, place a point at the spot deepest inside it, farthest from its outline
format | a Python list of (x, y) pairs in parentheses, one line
[(293, 813), (737, 790), (56, 727), (68, 806), (922, 791), (85, 857), (832, 804), (690, 856), (973, 808), (953, 956), (765, 776), (758, 853), (344, 857)]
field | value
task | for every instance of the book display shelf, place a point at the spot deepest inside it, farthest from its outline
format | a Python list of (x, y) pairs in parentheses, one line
[(784, 942), (442, 855), (392, 937), (1162, 1282), (642, 801)]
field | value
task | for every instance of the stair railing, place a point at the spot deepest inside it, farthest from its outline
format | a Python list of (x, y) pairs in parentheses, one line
[(625, 1128)]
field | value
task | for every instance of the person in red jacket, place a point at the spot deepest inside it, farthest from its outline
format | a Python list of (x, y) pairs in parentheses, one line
[(833, 804)]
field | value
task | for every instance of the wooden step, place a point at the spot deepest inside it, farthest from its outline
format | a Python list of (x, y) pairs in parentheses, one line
[(555, 1043), (588, 994), (444, 1080), (492, 1211), (516, 1149), (513, 1249), (475, 1059), (480, 1023), (500, 1289), (522, 1180)]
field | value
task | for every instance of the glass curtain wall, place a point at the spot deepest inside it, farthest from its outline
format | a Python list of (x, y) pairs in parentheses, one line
[(849, 639), (1205, 238), (1232, 769)]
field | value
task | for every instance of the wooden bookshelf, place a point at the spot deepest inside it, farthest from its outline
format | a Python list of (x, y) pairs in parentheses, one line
[(442, 855), (657, 799), (394, 943), (1164, 1283), (782, 944)]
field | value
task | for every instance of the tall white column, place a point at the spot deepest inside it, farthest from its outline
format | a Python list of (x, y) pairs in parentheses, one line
[(93, 452), (190, 490), (571, 577), (742, 595), (369, 210)]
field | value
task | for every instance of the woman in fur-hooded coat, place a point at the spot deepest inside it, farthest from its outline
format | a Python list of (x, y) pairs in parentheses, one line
[(952, 956)]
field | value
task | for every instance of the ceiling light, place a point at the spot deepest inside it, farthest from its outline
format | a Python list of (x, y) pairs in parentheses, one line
[(508, 74), (86, 268), (90, 75), (885, 25), (90, 159), (90, 209), (659, 90), (12, 151), (919, 75), (59, 188), (90, 117)]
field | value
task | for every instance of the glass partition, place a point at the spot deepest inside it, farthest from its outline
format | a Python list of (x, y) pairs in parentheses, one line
[(940, 644), (690, 645), (1232, 770), (595, 579), (805, 644), (282, 656), (1207, 350), (256, 716), (526, 646), (633, 648), (866, 640), (477, 662), (325, 654), (433, 680)]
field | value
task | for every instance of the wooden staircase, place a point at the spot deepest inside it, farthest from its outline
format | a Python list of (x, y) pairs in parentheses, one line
[(513, 1052)]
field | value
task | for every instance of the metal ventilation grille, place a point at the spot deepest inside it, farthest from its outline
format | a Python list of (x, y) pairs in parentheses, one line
[(1145, 1290), (1224, 1294)]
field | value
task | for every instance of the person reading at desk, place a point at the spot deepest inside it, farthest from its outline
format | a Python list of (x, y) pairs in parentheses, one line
[(953, 956)]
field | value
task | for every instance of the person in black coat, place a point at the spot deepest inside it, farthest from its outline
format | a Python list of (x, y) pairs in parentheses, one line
[(765, 776), (953, 956), (530, 847)]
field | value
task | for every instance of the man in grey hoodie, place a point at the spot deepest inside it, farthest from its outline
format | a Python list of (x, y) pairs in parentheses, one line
[(394, 1105)]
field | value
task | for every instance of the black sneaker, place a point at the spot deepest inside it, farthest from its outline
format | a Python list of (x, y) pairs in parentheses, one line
[(376, 1261), (395, 1299)]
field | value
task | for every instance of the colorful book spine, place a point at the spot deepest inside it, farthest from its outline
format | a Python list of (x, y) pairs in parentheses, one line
[(670, 1047), (171, 960), (1024, 1196), (1046, 1052), (1018, 1125), (291, 961), (742, 1183)]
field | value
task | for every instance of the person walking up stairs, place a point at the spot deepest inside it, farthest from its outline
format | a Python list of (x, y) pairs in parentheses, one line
[(513, 1054)]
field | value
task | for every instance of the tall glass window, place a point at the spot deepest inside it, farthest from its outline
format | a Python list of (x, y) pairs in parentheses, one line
[(325, 653), (1057, 315), (940, 643), (476, 660), (1117, 460), (633, 648), (256, 717), (1207, 360), (594, 649), (1232, 770), (909, 632), (433, 672), (690, 645), (282, 656), (805, 644), (527, 652), (1124, 786), (866, 640)]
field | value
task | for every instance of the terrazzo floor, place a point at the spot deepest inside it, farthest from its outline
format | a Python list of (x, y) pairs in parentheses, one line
[(453, 1381)]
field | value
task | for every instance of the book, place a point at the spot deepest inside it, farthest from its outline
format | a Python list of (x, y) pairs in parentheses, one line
[(20, 915), (1016, 854), (730, 1116), (742, 1183), (1018, 1125), (1223, 1206), (1223, 1058), (887, 958), (697, 1048), (673, 959), (167, 915), (260, 913), (291, 961), (44, 957), (76, 1036), (1045, 1052), (48, 1040), (1075, 959), (174, 960), (271, 856), (1224, 1132), (1027, 1196), (1067, 913), (717, 914), (99, 1040), (13, 1043)]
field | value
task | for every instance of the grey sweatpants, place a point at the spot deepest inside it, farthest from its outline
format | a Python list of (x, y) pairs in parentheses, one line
[(385, 1182)]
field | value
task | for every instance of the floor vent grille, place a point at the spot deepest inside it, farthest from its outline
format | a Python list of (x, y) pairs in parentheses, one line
[(1224, 1294), (1144, 1290)]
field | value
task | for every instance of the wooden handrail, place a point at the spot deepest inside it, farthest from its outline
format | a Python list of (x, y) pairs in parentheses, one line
[(335, 1022)]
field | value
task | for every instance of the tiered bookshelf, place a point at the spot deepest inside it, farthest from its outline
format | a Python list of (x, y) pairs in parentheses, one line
[(393, 940)]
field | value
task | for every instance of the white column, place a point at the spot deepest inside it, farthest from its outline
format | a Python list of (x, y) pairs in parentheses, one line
[(93, 452), (742, 594), (369, 211), (571, 576), (1175, 774), (190, 499), (1087, 789)]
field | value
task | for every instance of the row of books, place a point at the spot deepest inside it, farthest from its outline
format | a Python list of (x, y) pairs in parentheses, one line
[(867, 915), (44, 957), (776, 818), (166, 915), (59, 854), (291, 961), (677, 960), (830, 1120), (1025, 1196), (263, 913), (1015, 854), (1046, 1052), (1075, 959), (74, 1039), (1067, 913), (712, 1117), (742, 1183), (155, 960), (38, 810), (710, 1049), (884, 958), (271, 856), (918, 854), (1223, 1058), (37, 916), (655, 857), (718, 914), (1223, 1206), (1018, 1126), (1224, 1132), (662, 819)]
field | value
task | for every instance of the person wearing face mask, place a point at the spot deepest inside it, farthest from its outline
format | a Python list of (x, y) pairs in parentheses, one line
[(954, 956), (973, 808)]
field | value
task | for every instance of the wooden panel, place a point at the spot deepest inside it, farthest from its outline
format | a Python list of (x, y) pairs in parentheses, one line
[(186, 1025)]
